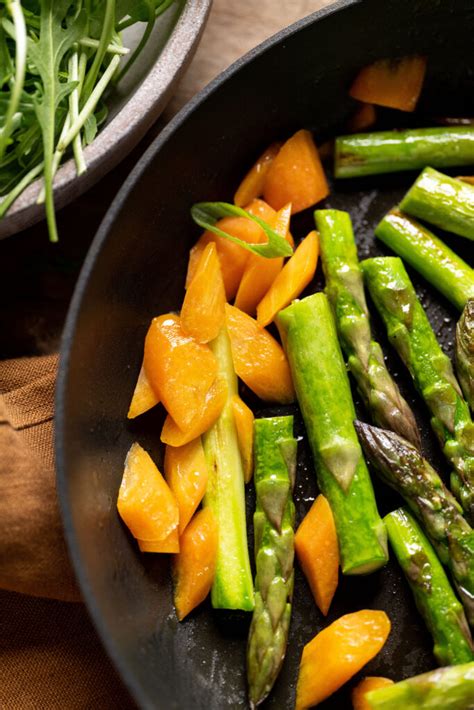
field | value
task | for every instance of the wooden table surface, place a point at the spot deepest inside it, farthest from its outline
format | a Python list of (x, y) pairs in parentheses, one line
[(38, 277)]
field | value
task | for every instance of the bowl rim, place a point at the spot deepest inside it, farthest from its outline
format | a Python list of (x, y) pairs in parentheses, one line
[(126, 128), (67, 339)]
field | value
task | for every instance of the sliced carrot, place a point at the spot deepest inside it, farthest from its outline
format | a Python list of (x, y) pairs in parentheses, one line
[(359, 701), (395, 83), (243, 418), (258, 359), (232, 257), (466, 178), (252, 184), (260, 273), (296, 175), (145, 502), (214, 402), (363, 118), (317, 550), (144, 397), (260, 208), (202, 312), (291, 281), (195, 566), (186, 474), (180, 370), (337, 653), (170, 544)]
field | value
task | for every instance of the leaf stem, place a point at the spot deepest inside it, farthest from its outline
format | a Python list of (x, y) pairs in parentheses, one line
[(14, 7)]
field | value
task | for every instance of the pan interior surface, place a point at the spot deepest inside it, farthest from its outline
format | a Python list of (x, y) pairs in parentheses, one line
[(136, 270)]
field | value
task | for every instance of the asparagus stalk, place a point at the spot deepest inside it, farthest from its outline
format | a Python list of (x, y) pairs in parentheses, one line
[(443, 201), (465, 351), (324, 395), (412, 149), (232, 587), (345, 290), (410, 332), (436, 262), (450, 688), (275, 465), (403, 468), (434, 597)]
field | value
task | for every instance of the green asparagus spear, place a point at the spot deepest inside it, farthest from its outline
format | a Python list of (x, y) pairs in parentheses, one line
[(345, 290), (444, 269), (410, 332), (275, 464), (465, 351), (403, 468), (434, 597), (442, 200), (413, 149), (324, 395), (225, 495), (450, 688)]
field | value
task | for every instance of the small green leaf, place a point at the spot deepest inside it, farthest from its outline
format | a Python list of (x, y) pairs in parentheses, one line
[(206, 214)]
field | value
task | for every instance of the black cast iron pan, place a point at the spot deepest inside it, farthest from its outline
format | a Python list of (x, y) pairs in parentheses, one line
[(135, 270)]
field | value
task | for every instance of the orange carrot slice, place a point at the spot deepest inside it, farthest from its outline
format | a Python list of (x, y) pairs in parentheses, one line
[(337, 653), (195, 566), (317, 550), (291, 281), (296, 175), (260, 208), (145, 502), (180, 370), (170, 544), (252, 184), (243, 418), (365, 686), (363, 118), (466, 178), (186, 474), (395, 83), (213, 405), (260, 273), (144, 397), (202, 312), (232, 257), (258, 359)]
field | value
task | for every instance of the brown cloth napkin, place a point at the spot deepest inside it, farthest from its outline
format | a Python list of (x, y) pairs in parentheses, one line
[(50, 656)]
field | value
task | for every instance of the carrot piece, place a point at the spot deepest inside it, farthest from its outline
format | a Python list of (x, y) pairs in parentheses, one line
[(145, 502), (260, 273), (317, 550), (195, 566), (144, 397), (260, 208), (395, 83), (363, 118), (252, 184), (232, 257), (202, 312), (291, 281), (170, 544), (180, 370), (243, 418), (337, 653), (296, 175), (365, 686), (466, 178), (258, 359), (186, 474), (213, 404)]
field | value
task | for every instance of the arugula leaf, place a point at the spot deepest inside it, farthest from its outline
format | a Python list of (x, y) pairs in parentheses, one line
[(47, 54), (206, 214)]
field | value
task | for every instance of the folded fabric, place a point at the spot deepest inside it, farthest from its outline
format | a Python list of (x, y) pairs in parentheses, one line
[(33, 555)]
